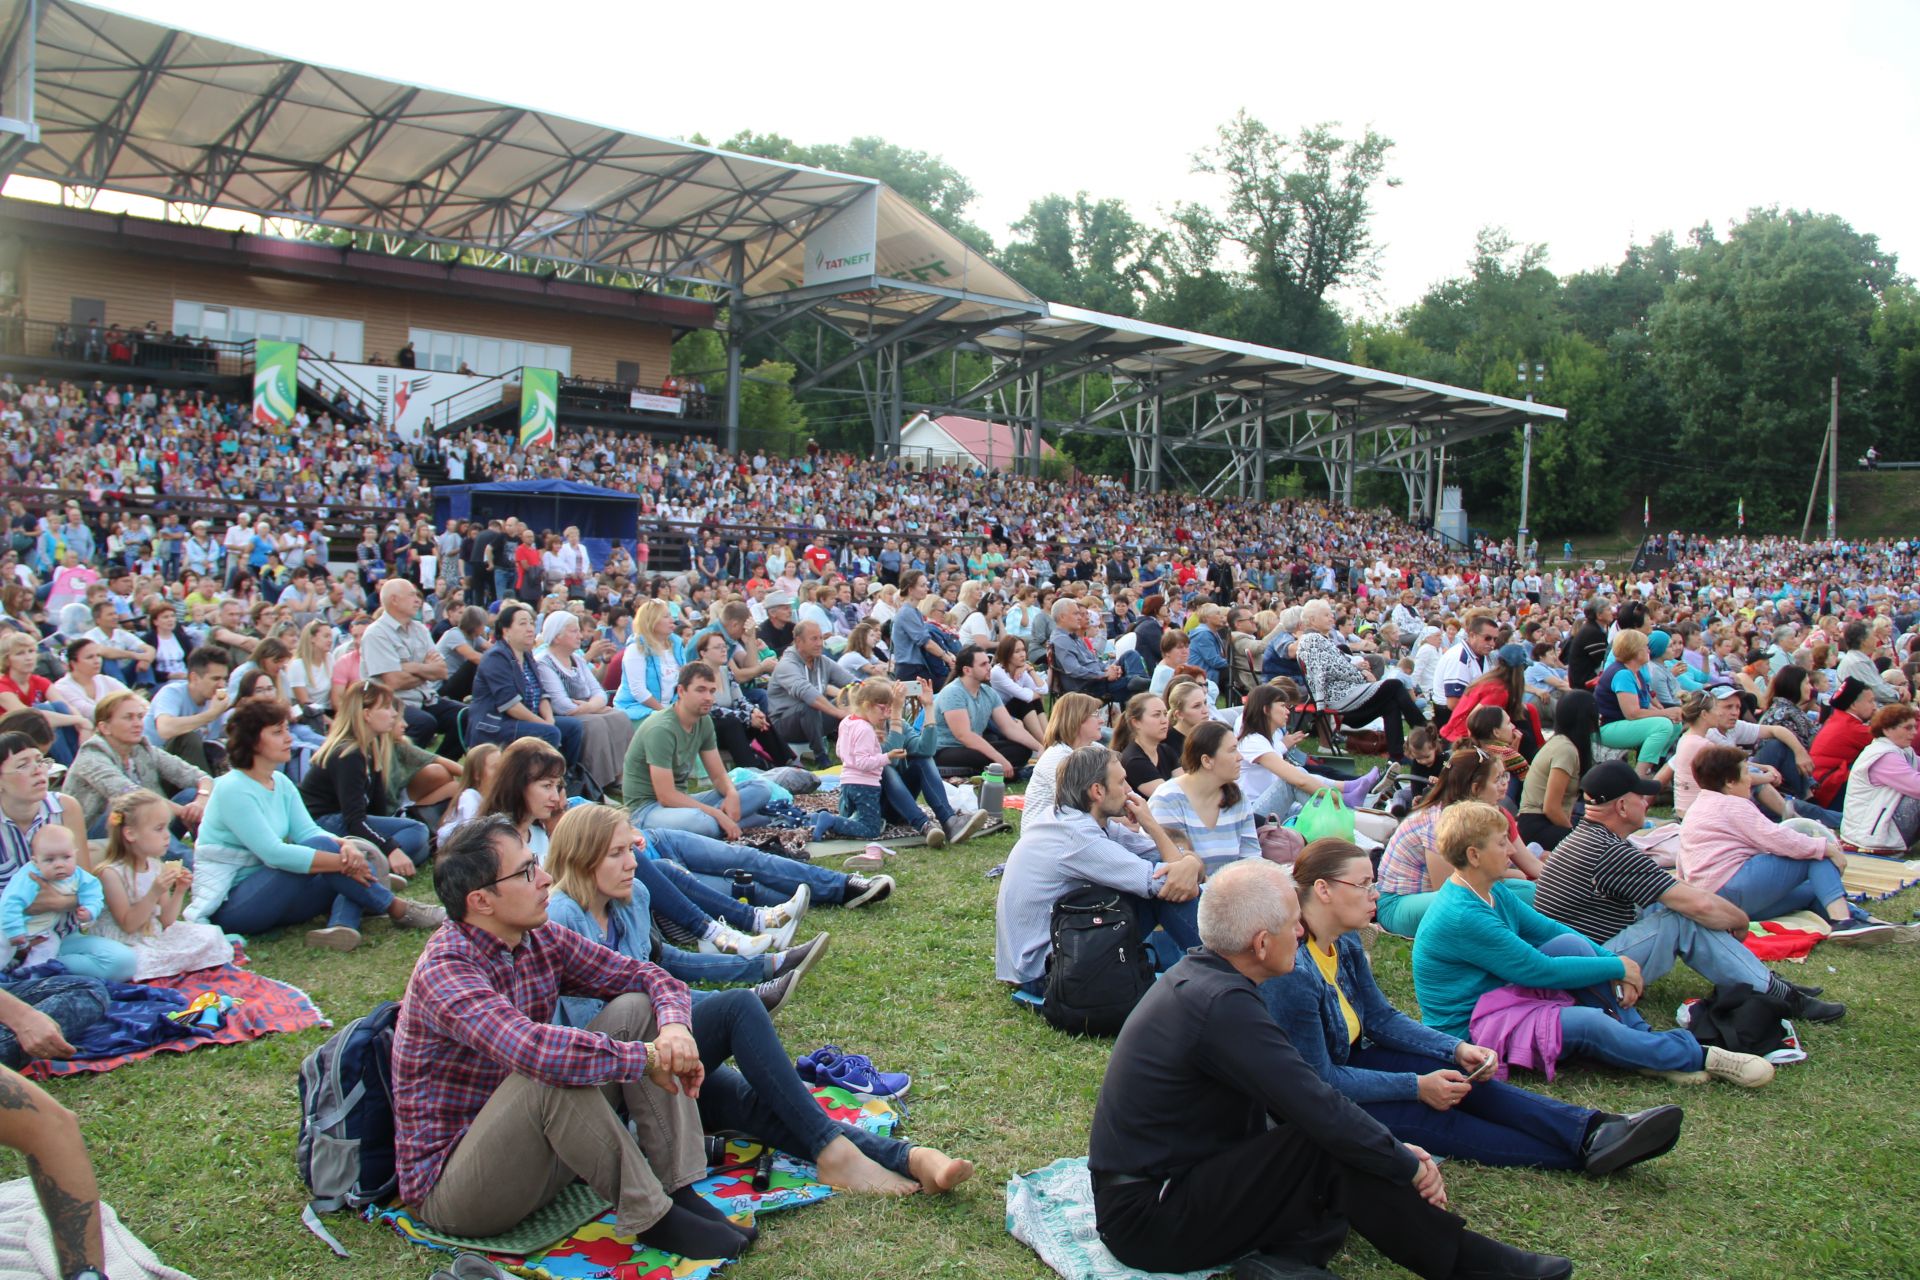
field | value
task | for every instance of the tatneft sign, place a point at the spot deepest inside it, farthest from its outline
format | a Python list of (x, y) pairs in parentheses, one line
[(843, 249)]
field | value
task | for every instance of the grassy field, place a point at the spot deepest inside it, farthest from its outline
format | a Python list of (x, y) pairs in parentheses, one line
[(1812, 1176)]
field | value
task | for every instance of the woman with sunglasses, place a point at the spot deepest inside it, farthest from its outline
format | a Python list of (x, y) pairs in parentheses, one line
[(1429, 1088)]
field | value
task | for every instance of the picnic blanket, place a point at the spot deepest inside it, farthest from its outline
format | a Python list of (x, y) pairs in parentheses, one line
[(260, 1006), (1051, 1212), (1869, 879), (596, 1250), (26, 1243), (895, 835), (1790, 937)]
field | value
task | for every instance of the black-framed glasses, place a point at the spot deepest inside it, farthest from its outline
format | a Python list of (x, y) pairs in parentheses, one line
[(525, 872), (1364, 886)]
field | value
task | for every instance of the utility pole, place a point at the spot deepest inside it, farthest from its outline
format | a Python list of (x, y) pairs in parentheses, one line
[(1819, 462), (1833, 464), (1531, 376)]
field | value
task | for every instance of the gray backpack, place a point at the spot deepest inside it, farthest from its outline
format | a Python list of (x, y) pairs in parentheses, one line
[(345, 1151)]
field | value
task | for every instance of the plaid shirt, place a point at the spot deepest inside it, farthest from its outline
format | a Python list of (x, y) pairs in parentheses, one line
[(475, 1012)]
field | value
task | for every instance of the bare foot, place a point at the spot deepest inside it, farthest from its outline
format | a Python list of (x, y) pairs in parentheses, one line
[(936, 1170), (843, 1167)]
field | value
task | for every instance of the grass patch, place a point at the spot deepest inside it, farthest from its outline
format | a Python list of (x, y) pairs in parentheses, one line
[(1811, 1176)]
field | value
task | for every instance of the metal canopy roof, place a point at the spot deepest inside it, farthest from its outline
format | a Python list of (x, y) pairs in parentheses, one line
[(128, 105)]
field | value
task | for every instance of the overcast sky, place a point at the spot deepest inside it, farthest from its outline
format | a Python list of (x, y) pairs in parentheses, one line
[(1580, 128)]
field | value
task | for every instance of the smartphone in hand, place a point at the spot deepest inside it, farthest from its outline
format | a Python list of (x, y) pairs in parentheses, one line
[(1483, 1070)]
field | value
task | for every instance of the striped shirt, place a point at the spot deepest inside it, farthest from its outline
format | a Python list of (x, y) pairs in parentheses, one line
[(1230, 838), (475, 1012), (1597, 882)]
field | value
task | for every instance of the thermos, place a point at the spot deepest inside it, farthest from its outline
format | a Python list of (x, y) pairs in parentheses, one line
[(993, 790)]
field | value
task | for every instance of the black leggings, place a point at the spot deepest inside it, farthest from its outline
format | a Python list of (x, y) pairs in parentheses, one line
[(1390, 702), (736, 738)]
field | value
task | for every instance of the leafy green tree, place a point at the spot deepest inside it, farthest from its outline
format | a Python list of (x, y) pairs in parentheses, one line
[(1085, 253), (940, 190)]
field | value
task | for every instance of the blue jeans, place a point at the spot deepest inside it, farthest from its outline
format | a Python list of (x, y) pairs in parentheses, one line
[(1496, 1124), (754, 796), (686, 900), (503, 583), (859, 816), (914, 776), (1661, 936), (274, 899), (1598, 1027), (1769, 885), (404, 834), (565, 734), (764, 1097), (66, 738), (711, 860), (177, 848), (74, 1001)]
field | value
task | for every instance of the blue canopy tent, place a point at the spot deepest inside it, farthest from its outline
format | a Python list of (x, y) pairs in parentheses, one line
[(602, 515)]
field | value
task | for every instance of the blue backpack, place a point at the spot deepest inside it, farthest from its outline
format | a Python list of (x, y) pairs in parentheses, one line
[(345, 1151)]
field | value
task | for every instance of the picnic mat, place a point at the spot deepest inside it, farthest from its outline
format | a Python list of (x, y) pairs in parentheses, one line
[(894, 835), (1869, 879), (576, 1238), (262, 1006), (1051, 1212)]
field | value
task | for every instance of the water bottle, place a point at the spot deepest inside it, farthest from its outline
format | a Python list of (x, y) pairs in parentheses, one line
[(742, 884), (993, 790)]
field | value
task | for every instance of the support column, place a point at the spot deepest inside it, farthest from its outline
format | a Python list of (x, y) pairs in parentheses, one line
[(736, 326), (1260, 458), (1034, 439), (1153, 451)]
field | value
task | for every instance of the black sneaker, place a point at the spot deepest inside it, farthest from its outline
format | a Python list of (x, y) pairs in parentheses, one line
[(774, 992), (1483, 1258), (799, 959), (1278, 1266), (865, 890), (1627, 1140), (1860, 932), (1806, 1007)]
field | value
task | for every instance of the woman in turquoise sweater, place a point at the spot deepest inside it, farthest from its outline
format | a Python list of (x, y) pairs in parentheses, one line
[(1478, 937), (262, 862)]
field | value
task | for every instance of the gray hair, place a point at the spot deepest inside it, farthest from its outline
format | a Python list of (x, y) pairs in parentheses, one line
[(1078, 775), (1315, 608), (1063, 606), (1241, 900)]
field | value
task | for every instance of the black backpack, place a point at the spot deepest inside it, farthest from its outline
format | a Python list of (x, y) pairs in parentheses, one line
[(1099, 969)]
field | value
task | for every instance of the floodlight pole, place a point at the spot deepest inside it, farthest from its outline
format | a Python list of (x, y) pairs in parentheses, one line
[(1531, 375)]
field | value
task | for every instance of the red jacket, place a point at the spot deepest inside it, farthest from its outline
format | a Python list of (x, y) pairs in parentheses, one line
[(1838, 744), (1488, 693)]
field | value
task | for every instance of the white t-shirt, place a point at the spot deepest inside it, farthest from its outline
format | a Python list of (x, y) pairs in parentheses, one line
[(1255, 778)]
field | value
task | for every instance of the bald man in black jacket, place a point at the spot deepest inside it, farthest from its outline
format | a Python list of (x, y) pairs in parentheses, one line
[(1212, 1139)]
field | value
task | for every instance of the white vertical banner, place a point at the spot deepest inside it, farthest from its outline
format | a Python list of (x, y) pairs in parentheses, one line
[(843, 249)]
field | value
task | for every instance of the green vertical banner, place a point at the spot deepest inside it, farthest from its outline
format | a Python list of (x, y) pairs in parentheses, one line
[(539, 406), (275, 365)]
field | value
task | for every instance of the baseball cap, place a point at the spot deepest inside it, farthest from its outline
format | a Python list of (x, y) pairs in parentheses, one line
[(1512, 656), (1611, 779)]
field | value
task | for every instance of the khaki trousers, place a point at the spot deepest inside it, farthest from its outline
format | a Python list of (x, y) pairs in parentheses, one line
[(532, 1139)]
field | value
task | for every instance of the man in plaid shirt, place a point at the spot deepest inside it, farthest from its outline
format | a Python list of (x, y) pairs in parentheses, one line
[(496, 1109)]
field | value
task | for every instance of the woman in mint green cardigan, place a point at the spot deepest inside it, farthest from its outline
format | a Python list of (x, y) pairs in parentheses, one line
[(1479, 938), (262, 862)]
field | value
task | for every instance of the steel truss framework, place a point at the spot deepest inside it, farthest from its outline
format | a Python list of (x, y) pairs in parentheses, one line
[(1208, 413), (102, 101)]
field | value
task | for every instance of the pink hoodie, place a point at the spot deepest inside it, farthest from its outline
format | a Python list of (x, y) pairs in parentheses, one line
[(861, 759), (1720, 832)]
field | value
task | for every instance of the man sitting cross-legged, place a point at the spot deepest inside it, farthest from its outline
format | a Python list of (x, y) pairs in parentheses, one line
[(1607, 887), (496, 1109)]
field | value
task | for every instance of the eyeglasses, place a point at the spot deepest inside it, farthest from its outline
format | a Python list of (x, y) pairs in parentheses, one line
[(525, 872), (1364, 886), (38, 764)]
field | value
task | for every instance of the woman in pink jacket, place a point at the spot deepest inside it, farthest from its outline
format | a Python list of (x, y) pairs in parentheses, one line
[(1729, 847)]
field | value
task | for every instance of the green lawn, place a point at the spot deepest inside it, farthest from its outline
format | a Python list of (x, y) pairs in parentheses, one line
[(1812, 1176)]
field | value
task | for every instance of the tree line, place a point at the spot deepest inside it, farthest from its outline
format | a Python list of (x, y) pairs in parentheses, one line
[(1696, 371)]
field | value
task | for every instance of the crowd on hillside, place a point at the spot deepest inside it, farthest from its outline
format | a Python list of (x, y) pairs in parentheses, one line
[(591, 746)]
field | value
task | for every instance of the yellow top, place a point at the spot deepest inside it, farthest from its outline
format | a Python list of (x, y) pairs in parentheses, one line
[(1329, 962)]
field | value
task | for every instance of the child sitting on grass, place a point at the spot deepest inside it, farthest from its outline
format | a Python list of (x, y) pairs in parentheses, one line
[(145, 892), (32, 935), (476, 774), (863, 764)]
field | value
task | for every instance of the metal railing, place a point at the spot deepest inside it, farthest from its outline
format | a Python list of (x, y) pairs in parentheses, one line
[(482, 397), (131, 351)]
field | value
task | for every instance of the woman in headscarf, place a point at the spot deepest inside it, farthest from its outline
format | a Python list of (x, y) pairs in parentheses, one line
[(569, 681)]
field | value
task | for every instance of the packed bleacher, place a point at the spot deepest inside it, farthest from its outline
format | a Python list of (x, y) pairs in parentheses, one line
[(250, 686)]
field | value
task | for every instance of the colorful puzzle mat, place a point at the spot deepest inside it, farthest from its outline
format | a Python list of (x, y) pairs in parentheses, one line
[(597, 1251)]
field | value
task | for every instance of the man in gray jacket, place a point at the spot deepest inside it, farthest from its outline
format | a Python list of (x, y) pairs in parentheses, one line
[(800, 701)]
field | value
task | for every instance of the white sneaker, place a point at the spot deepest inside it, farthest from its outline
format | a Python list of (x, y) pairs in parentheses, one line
[(1748, 1070), (779, 922), (731, 942)]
